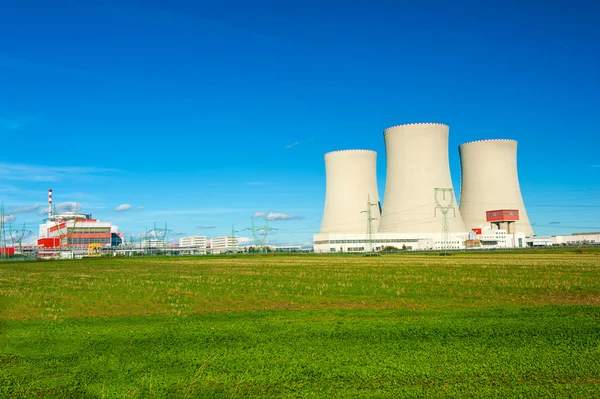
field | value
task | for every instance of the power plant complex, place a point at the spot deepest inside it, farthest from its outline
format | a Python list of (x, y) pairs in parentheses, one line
[(420, 210)]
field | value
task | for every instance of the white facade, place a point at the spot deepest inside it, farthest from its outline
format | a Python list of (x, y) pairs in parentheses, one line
[(193, 241), (340, 242), (417, 164), (500, 238), (152, 244), (351, 181), (577, 239), (489, 181), (222, 244), (539, 241)]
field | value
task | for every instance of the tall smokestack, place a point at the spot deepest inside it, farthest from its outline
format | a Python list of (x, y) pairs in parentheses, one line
[(49, 202)]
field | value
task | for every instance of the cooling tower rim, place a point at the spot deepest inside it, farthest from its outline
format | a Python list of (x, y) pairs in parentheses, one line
[(489, 141), (349, 151), (416, 124)]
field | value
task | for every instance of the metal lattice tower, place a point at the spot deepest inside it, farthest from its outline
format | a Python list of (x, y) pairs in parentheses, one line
[(260, 233), (369, 223), (445, 205), (3, 254), (232, 238), (159, 234), (17, 236)]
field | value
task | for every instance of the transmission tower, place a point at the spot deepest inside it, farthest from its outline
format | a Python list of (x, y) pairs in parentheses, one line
[(445, 204), (232, 238), (17, 236), (260, 233), (160, 234), (369, 224), (3, 254)]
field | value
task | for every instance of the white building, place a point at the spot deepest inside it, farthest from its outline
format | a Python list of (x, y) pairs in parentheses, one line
[(592, 238), (537, 241), (222, 244), (152, 244), (345, 242), (357, 242), (499, 238), (193, 241)]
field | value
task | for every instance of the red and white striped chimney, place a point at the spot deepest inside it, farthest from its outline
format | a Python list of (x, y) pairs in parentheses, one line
[(49, 202)]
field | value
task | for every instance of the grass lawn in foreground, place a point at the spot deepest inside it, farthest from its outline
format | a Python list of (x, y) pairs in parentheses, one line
[(472, 325)]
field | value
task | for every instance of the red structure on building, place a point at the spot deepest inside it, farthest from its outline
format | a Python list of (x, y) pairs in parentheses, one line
[(502, 216)]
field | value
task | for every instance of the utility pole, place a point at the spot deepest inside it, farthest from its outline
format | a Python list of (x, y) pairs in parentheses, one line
[(369, 224), (445, 204)]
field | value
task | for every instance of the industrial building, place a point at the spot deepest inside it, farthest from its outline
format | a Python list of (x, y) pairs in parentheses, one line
[(420, 209), (195, 243), (223, 244), (70, 234), (591, 238)]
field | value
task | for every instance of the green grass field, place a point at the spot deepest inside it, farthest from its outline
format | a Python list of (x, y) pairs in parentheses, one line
[(468, 325)]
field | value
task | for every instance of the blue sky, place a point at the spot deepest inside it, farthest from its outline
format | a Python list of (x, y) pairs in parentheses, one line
[(200, 114)]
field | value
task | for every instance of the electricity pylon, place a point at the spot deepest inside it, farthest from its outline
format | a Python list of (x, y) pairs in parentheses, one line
[(260, 233), (445, 204), (3, 254), (160, 234), (369, 223), (232, 238), (17, 236)]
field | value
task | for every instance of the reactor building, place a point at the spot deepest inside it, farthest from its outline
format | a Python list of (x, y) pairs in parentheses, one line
[(420, 210)]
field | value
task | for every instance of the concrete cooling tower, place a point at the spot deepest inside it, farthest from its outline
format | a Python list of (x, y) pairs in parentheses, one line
[(490, 182), (417, 164), (351, 179)]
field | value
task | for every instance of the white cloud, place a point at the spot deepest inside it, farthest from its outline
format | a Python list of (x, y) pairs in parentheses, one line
[(123, 207), (259, 214), (292, 145), (67, 207), (178, 233), (206, 226), (244, 240), (280, 216), (9, 218), (25, 209), (295, 143)]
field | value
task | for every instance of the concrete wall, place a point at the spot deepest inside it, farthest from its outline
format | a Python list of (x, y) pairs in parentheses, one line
[(417, 163), (489, 181), (351, 178)]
